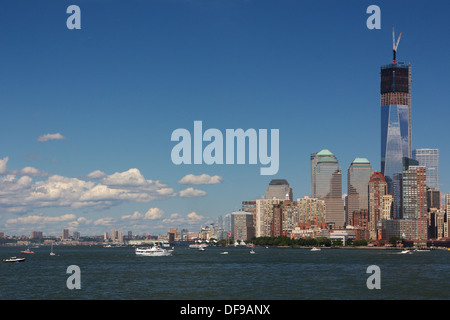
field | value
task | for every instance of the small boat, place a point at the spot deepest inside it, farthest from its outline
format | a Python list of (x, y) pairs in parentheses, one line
[(201, 249), (315, 249), (28, 251), (51, 252), (14, 259), (252, 251), (225, 252), (405, 251), (154, 251)]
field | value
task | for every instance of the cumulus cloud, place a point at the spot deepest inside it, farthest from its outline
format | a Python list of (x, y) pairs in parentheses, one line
[(191, 192), (22, 194), (200, 179), (3, 163), (38, 219), (106, 222), (151, 214), (27, 171), (97, 174), (51, 136), (192, 218)]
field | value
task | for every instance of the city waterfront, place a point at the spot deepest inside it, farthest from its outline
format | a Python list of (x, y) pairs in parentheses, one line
[(189, 274)]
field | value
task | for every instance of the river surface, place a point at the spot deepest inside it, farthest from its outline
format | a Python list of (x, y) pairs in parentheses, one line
[(269, 274)]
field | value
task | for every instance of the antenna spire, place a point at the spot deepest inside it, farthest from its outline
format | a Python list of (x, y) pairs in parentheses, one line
[(395, 44)]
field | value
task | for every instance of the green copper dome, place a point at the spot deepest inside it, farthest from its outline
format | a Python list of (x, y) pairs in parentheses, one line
[(361, 160), (325, 152)]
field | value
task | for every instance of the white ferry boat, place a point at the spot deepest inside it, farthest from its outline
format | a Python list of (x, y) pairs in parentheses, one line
[(154, 251), (197, 245)]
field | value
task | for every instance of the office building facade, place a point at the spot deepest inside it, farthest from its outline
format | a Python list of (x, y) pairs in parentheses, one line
[(279, 189), (358, 177), (377, 190), (326, 177), (395, 90), (429, 158)]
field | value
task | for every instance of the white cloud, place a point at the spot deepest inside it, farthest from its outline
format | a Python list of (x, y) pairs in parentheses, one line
[(3, 163), (191, 192), (51, 136), (106, 222), (38, 219), (97, 174), (192, 218), (201, 179), (27, 171), (151, 214), (20, 195)]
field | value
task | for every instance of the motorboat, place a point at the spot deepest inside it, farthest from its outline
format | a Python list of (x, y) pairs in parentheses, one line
[(406, 251), (201, 249), (14, 259), (154, 251), (27, 251), (252, 251), (225, 252), (315, 249)]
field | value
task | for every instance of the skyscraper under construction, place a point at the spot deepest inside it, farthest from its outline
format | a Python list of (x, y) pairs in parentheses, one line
[(395, 92)]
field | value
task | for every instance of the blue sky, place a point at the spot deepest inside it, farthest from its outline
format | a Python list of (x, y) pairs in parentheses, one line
[(137, 70)]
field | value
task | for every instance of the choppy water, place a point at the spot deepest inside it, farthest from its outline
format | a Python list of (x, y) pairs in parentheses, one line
[(273, 273)]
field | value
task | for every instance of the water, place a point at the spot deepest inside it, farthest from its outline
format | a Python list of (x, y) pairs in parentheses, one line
[(270, 274)]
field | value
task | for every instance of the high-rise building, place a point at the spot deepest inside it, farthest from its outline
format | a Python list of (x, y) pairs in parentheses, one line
[(250, 206), (242, 225), (36, 234), (377, 190), (358, 177), (395, 92), (429, 158), (433, 198), (279, 189), (264, 216), (326, 185), (311, 210), (65, 234), (414, 199)]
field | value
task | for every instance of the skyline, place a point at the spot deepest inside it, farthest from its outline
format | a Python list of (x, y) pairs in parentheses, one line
[(89, 113)]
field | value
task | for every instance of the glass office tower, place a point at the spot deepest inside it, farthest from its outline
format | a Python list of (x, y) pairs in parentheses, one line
[(326, 179), (395, 118), (430, 159), (358, 176)]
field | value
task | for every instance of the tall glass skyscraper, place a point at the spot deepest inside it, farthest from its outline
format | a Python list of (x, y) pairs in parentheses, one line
[(326, 184), (395, 118), (358, 177), (429, 158)]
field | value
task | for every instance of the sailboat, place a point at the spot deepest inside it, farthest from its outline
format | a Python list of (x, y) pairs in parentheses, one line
[(51, 252)]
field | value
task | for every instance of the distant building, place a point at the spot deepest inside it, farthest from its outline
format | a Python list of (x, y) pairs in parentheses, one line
[(264, 216), (279, 189), (311, 209), (433, 198), (395, 90), (377, 190), (36, 235), (326, 179), (358, 177), (414, 199), (242, 226), (65, 234), (429, 158), (250, 206)]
